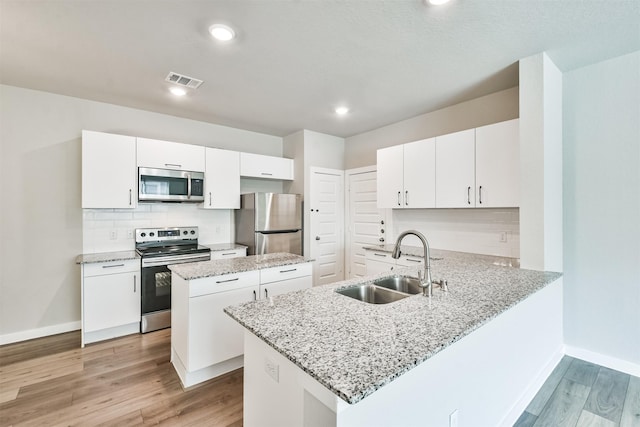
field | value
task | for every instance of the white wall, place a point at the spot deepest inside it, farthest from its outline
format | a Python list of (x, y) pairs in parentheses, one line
[(602, 208), (40, 212), (360, 150)]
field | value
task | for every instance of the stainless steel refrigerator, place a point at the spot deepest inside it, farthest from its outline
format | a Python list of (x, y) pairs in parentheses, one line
[(270, 222)]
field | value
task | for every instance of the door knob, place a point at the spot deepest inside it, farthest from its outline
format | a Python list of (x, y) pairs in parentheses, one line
[(317, 237)]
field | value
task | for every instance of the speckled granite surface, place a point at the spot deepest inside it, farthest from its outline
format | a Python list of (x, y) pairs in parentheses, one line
[(354, 348), (437, 253), (217, 247), (198, 270), (106, 257)]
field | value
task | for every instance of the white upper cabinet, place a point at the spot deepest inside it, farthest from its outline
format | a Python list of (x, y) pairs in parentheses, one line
[(259, 166), (498, 165), (109, 178), (420, 174), (170, 155), (406, 175), (455, 170), (390, 177), (222, 179)]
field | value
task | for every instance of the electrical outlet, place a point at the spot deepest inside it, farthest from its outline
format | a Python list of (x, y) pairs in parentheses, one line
[(113, 234), (503, 237), (129, 234), (272, 369), (453, 419)]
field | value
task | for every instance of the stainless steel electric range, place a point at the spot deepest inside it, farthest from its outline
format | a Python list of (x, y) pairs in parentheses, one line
[(158, 248)]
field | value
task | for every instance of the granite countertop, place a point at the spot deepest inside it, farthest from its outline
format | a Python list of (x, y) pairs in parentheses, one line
[(199, 270), (419, 252), (217, 247), (354, 348), (106, 257)]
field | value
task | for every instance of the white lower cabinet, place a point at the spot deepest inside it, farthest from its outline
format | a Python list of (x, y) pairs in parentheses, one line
[(205, 341), (110, 300), (381, 262)]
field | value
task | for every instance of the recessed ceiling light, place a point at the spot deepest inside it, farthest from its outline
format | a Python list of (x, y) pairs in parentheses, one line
[(341, 111), (438, 2), (177, 91), (222, 32)]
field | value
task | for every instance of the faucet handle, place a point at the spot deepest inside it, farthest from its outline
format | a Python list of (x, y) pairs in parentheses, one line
[(444, 285), (420, 276)]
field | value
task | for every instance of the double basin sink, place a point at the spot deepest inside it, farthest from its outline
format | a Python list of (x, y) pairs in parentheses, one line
[(384, 291)]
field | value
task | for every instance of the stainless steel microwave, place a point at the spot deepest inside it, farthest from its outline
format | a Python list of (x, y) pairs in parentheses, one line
[(167, 185)]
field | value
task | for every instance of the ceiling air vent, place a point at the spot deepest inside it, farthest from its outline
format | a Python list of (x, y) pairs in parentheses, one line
[(182, 80)]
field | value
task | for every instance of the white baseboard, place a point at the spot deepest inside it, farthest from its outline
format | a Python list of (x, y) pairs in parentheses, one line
[(39, 332), (536, 384), (603, 360)]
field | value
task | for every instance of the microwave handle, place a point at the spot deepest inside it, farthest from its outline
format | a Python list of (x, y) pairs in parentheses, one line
[(188, 186)]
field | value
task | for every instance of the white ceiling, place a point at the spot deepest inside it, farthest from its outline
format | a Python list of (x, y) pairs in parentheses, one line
[(295, 60)]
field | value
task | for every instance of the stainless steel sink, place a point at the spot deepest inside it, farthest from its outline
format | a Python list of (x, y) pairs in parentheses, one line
[(372, 294), (406, 284)]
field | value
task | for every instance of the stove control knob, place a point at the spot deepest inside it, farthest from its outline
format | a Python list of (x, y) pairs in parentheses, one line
[(185, 232), (193, 232), (152, 234), (143, 234)]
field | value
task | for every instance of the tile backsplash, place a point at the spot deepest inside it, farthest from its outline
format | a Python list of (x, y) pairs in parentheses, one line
[(107, 230), (483, 231)]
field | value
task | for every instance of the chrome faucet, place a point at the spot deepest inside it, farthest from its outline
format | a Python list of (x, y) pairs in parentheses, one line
[(425, 277)]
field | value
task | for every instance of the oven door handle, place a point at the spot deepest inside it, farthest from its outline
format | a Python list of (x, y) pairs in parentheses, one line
[(160, 261)]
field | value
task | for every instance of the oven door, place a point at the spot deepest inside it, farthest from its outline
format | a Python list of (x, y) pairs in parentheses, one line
[(156, 289)]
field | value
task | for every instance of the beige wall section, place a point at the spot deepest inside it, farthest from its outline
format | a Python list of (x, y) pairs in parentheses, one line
[(360, 150), (40, 212)]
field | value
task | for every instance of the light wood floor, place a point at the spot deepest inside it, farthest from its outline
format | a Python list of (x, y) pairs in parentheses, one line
[(581, 394), (121, 382)]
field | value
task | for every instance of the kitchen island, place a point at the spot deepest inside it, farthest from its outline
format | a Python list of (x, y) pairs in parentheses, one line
[(476, 353), (205, 342)]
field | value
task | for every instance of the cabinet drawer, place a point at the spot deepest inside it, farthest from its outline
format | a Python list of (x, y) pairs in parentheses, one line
[(410, 261), (285, 272), (232, 253), (111, 267), (380, 256), (260, 166), (225, 282)]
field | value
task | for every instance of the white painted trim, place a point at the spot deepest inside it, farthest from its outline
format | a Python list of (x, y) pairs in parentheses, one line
[(603, 360), (30, 334), (532, 389)]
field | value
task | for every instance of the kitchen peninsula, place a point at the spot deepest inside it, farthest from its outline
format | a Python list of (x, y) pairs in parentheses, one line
[(475, 353), (205, 342)]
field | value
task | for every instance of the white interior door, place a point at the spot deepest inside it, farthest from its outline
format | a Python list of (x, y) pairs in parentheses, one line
[(365, 222), (326, 200)]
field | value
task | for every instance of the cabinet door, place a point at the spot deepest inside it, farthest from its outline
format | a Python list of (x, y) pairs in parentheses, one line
[(109, 174), (390, 177), (498, 165), (285, 286), (214, 336), (170, 155), (420, 174), (111, 300), (259, 166), (376, 267), (222, 179), (455, 170)]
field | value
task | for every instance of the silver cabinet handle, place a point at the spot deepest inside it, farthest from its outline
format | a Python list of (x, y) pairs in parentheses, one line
[(468, 195), (210, 199), (480, 194), (406, 198), (112, 266), (255, 296), (225, 281), (228, 253), (188, 186), (266, 293), (174, 165), (288, 271), (134, 283), (413, 260), (266, 174), (130, 200), (384, 256), (399, 203)]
